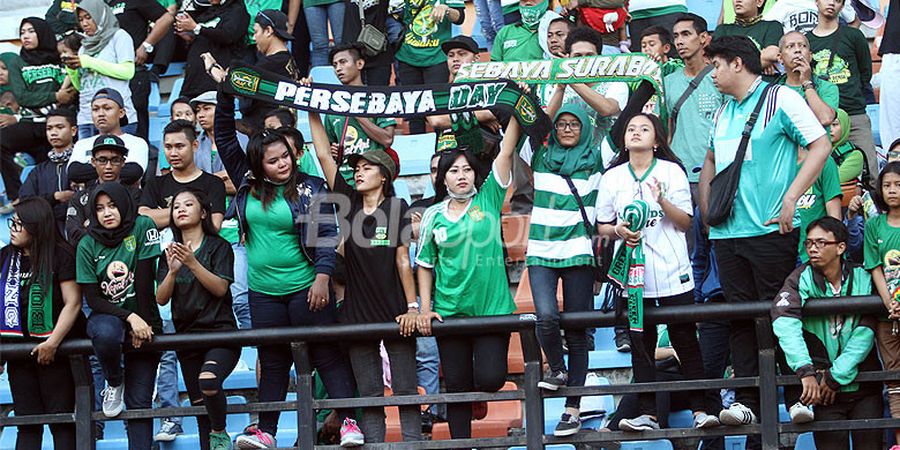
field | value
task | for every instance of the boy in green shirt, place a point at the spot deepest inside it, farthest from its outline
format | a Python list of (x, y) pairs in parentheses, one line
[(520, 41)]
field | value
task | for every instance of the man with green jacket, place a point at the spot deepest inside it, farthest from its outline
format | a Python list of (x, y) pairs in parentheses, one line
[(827, 352)]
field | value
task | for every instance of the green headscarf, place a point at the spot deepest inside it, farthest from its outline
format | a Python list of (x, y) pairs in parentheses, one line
[(107, 25), (9, 60), (843, 119), (568, 160), (531, 15)]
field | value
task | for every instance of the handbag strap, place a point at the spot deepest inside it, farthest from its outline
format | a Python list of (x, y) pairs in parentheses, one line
[(362, 13), (584, 217), (748, 127), (692, 86)]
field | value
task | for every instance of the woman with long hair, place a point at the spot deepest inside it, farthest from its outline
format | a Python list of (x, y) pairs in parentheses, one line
[(195, 275), (380, 285), (645, 201), (462, 272), (290, 233), (42, 305), (116, 261)]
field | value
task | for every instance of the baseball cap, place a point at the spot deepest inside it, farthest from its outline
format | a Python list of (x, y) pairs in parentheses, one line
[(109, 142), (114, 95), (461, 41), (275, 19), (381, 157), (208, 97)]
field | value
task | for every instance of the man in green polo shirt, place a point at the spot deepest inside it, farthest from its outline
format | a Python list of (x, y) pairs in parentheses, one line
[(764, 33), (756, 245), (821, 95), (520, 41)]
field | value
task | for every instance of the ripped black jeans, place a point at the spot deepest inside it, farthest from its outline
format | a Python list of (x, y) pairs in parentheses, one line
[(220, 362)]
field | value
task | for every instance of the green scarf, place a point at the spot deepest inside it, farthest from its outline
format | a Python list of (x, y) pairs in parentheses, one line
[(627, 269), (531, 15), (39, 323), (567, 161), (844, 119)]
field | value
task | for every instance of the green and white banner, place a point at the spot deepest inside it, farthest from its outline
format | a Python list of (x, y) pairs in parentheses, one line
[(401, 101)]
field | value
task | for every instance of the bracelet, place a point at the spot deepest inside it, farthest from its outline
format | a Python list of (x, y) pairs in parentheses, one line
[(808, 85), (412, 305)]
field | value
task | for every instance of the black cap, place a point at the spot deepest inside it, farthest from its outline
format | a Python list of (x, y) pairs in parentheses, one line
[(81, 172), (110, 142), (461, 41), (275, 19), (114, 95)]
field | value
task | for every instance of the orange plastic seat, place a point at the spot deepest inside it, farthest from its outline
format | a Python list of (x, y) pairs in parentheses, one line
[(515, 236), (501, 416)]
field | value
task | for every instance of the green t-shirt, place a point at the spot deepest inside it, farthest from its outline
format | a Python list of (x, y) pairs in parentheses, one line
[(253, 8), (276, 264), (516, 43), (229, 230), (421, 46), (307, 162), (851, 67), (167, 3), (466, 254), (728, 15), (112, 268), (827, 91), (353, 138), (695, 118), (811, 205), (770, 162), (763, 33), (881, 247)]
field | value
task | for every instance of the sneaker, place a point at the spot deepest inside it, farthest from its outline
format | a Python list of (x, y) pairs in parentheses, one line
[(801, 413), (220, 441), (567, 426), (427, 421), (737, 414), (704, 420), (623, 342), (167, 431), (351, 436), (254, 438), (554, 381), (896, 447), (112, 400), (640, 423)]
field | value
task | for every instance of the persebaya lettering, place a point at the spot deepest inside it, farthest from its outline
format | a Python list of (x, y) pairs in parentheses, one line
[(359, 102)]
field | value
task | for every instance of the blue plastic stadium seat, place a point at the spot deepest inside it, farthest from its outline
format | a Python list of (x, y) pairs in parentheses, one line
[(608, 359), (737, 443), (175, 69), (873, 112), (805, 442), (401, 190), (155, 131), (429, 188), (660, 444), (324, 74), (478, 36), (154, 99), (415, 153), (25, 171), (681, 419), (708, 9), (166, 110), (303, 125), (5, 393), (8, 437)]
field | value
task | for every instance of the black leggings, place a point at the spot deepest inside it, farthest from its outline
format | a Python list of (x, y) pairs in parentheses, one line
[(38, 389), (27, 137), (471, 363), (220, 362)]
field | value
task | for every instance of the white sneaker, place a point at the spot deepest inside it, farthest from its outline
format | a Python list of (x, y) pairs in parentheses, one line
[(801, 413), (704, 420), (736, 415), (113, 402)]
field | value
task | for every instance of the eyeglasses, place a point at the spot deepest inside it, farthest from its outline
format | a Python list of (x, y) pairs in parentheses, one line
[(14, 224), (574, 126), (818, 244), (111, 161)]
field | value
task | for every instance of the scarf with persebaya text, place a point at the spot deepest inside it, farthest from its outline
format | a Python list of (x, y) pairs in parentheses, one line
[(402, 101), (627, 269), (40, 303)]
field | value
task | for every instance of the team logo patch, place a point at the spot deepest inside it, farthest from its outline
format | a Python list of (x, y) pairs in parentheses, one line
[(476, 214), (130, 243)]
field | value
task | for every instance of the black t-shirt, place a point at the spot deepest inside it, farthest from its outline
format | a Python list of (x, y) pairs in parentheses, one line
[(890, 43), (134, 16), (376, 15), (159, 192), (63, 270), (421, 204), (193, 307), (374, 292)]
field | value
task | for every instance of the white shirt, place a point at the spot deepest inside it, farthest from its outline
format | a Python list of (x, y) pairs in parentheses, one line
[(138, 150), (119, 49), (801, 15), (667, 267)]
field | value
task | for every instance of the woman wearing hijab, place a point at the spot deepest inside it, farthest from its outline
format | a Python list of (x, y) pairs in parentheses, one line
[(566, 179), (849, 158), (116, 263), (105, 60), (216, 26), (39, 279), (35, 77)]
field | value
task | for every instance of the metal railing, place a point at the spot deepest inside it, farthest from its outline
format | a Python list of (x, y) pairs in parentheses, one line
[(532, 397)]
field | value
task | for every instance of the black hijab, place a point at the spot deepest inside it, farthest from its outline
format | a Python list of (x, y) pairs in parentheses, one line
[(46, 52), (127, 211)]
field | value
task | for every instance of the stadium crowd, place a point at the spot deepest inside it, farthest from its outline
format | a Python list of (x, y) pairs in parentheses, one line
[(751, 174)]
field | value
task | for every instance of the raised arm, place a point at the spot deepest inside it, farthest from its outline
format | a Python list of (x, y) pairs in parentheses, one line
[(233, 157), (323, 148), (504, 161)]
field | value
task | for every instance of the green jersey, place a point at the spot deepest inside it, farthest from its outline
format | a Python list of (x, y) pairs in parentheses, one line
[(112, 268), (850, 68), (811, 205), (881, 247), (770, 164), (351, 138), (421, 45), (826, 90), (515, 42), (695, 118), (466, 254), (764, 33), (253, 8)]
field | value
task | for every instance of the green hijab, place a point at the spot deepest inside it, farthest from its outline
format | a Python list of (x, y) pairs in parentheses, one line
[(566, 161), (843, 119), (10, 61)]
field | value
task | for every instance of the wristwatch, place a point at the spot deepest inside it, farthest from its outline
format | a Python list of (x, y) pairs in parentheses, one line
[(147, 46), (808, 85)]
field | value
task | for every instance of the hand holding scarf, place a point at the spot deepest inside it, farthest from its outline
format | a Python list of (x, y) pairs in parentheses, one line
[(627, 269)]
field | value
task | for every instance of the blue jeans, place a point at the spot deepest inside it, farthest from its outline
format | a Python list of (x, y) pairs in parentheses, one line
[(167, 378), (490, 13), (578, 295), (317, 20), (107, 333), (88, 130), (239, 288), (427, 362), (268, 311), (394, 29)]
